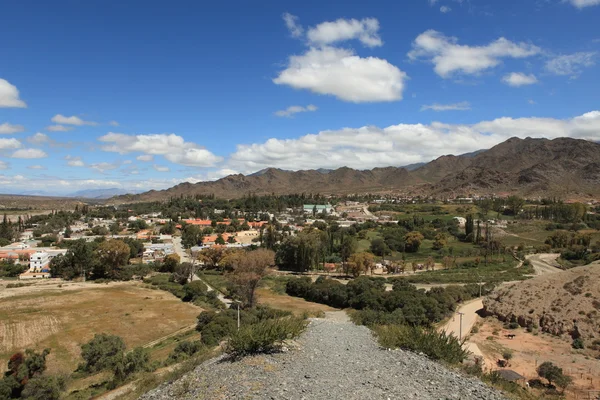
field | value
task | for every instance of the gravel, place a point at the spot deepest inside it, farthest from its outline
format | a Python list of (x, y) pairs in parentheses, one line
[(334, 359)]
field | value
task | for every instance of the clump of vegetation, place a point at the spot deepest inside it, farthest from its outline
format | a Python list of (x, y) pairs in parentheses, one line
[(436, 345), (185, 350), (265, 336), (195, 291)]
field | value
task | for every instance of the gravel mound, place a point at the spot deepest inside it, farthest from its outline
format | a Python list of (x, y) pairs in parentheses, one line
[(335, 359)]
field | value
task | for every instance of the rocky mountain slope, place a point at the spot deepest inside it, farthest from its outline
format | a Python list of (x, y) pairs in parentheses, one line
[(335, 360), (561, 167), (563, 303)]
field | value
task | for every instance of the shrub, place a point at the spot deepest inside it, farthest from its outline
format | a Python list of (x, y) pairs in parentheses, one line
[(184, 350), (265, 336), (513, 325), (102, 352), (44, 388), (436, 345), (578, 344)]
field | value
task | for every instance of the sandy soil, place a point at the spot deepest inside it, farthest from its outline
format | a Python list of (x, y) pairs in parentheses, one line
[(531, 350)]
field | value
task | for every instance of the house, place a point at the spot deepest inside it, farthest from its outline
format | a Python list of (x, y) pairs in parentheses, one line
[(39, 266), (318, 208)]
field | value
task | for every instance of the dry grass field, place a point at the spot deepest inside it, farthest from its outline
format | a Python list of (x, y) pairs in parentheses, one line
[(62, 320), (289, 303)]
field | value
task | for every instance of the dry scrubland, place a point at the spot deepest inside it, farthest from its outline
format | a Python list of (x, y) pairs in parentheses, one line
[(62, 320)]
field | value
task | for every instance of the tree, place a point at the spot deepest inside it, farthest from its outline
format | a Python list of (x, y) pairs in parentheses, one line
[(21, 369), (211, 257), (469, 226), (127, 364), (168, 228), (115, 228), (183, 272), (429, 264), (549, 371), (360, 263), (44, 388), (563, 381), (219, 240), (231, 239), (439, 242), (379, 248), (413, 241), (247, 273), (68, 232), (348, 247), (191, 236), (515, 204), (102, 352), (113, 255), (170, 262)]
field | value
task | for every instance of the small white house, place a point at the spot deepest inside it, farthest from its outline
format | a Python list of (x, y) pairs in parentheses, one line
[(461, 221)]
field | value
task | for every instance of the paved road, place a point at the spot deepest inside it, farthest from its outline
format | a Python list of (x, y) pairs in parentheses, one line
[(544, 263)]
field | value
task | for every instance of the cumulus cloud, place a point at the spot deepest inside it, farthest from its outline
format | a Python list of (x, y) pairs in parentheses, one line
[(343, 74), (291, 110), (173, 147), (59, 128), (445, 9), (104, 166), (327, 33), (11, 143), (29, 153), (402, 144), (517, 79), (145, 157), (113, 123), (291, 21), (39, 139), (74, 161), (571, 64), (9, 129), (462, 106), (584, 3), (449, 57), (37, 166), (4, 165), (160, 168), (73, 120), (9, 96)]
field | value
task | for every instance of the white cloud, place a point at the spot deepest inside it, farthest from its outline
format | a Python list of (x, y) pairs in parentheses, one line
[(343, 74), (104, 166), (291, 21), (29, 153), (145, 157), (570, 64), (161, 168), (173, 147), (58, 128), (74, 161), (9, 129), (73, 120), (445, 9), (327, 33), (36, 167), (517, 79), (450, 58), (11, 143), (402, 144), (462, 106), (291, 110), (39, 138), (113, 123), (532, 102), (9, 95), (584, 3), (4, 165)]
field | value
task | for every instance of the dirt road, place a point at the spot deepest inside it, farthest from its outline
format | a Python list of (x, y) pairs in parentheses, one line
[(469, 311), (544, 263)]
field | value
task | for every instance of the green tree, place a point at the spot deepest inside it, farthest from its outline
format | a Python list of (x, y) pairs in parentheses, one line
[(360, 263), (379, 248), (413, 241), (22, 367), (115, 228), (219, 240), (515, 204), (440, 241), (102, 352), (168, 228), (549, 371), (44, 388), (191, 236), (113, 255)]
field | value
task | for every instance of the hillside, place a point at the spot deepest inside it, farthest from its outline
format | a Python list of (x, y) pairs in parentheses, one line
[(562, 167), (563, 303)]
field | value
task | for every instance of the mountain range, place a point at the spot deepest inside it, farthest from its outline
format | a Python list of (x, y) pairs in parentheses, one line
[(563, 167)]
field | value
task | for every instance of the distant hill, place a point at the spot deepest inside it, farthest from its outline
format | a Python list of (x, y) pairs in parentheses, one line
[(529, 167), (99, 193)]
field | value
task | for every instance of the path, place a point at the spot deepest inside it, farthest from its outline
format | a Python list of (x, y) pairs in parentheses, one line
[(469, 311), (333, 359)]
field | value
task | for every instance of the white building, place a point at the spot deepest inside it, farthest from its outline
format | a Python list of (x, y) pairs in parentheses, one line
[(39, 266), (461, 221)]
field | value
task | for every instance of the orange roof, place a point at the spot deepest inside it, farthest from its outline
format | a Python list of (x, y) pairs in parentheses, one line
[(257, 224), (213, 238)]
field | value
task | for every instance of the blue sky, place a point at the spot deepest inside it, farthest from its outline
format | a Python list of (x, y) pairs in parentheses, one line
[(142, 95)]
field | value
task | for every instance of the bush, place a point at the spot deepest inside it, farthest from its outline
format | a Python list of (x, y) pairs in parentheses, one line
[(265, 336), (102, 352), (44, 388), (436, 345), (184, 350), (578, 344)]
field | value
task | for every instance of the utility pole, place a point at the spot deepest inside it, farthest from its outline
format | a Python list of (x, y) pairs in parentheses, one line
[(460, 328), (238, 315)]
